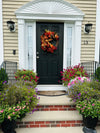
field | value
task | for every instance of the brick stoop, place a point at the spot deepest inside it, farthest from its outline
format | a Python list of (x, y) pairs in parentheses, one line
[(40, 124), (55, 107), (53, 114)]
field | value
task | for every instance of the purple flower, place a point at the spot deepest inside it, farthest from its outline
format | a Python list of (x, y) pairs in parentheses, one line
[(4, 82), (34, 95), (33, 110), (79, 94), (36, 89)]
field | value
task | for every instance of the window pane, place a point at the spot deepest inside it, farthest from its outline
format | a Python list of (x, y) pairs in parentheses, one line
[(69, 46), (30, 48)]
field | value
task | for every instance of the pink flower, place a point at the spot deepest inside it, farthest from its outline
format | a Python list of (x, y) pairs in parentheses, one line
[(9, 117), (13, 113), (93, 104), (2, 111), (79, 78), (16, 109)]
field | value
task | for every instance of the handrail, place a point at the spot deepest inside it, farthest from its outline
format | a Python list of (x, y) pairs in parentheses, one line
[(4, 62)]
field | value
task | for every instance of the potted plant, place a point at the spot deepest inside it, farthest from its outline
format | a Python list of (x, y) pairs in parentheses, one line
[(8, 115), (90, 110), (15, 101)]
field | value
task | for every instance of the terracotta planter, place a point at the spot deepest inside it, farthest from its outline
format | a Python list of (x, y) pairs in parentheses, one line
[(8, 126)]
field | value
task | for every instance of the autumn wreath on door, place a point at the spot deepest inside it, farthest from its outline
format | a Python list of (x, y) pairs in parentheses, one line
[(47, 40)]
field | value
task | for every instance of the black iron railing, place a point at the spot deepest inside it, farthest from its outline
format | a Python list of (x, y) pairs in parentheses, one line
[(90, 68), (10, 68)]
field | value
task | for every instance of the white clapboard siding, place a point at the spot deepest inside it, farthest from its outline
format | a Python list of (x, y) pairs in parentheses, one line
[(11, 39)]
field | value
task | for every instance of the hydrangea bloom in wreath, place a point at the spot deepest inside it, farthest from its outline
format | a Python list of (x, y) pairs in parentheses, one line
[(46, 41)]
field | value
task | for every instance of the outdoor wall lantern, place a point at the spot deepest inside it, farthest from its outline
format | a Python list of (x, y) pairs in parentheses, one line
[(88, 27), (11, 26)]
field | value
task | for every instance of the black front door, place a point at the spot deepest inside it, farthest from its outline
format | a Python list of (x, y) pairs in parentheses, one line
[(49, 64)]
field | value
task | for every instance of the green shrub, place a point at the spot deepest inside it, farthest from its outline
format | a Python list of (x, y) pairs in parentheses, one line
[(27, 75), (98, 74), (3, 77), (84, 91), (17, 93)]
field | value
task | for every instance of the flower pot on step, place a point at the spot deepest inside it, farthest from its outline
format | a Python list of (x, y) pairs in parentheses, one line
[(90, 122), (8, 126)]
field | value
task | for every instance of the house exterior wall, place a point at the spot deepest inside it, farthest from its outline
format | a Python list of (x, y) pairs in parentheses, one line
[(11, 39), (1, 34)]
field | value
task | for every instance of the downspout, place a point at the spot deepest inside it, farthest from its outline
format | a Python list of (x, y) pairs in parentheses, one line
[(1, 34)]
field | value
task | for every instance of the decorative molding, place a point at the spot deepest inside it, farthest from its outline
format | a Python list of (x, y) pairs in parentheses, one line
[(1, 34), (49, 9)]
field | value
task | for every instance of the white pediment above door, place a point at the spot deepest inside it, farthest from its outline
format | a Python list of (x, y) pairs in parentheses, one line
[(49, 8)]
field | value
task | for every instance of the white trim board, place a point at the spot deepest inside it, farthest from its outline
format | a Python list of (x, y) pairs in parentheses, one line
[(51, 88), (1, 34), (97, 38)]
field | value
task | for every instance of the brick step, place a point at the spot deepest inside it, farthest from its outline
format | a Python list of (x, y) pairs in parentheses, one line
[(41, 124), (55, 107)]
